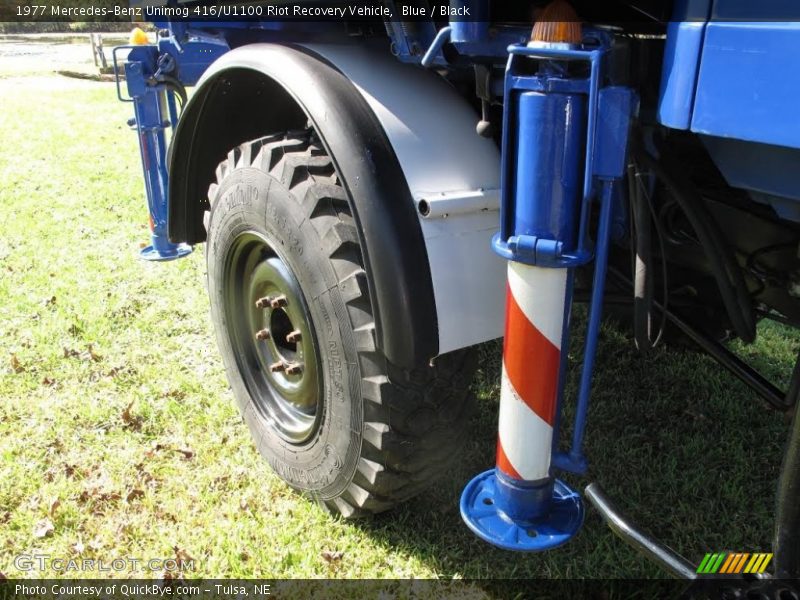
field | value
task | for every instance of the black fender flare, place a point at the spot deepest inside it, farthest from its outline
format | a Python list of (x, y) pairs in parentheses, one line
[(288, 86)]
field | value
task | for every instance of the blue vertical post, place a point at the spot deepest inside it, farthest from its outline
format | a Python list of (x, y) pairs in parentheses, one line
[(152, 116)]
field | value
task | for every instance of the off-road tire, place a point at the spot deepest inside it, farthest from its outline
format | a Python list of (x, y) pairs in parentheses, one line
[(383, 433)]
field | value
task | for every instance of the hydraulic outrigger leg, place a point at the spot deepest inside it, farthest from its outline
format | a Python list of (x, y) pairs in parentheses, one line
[(564, 147), (154, 113)]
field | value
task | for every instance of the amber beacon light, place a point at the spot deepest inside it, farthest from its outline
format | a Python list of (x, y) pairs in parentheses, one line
[(558, 23)]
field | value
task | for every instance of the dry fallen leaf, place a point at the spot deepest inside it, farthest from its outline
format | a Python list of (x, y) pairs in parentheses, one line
[(174, 394), (332, 556), (16, 366), (98, 488), (43, 528), (54, 504), (48, 381), (92, 354), (134, 422), (186, 452), (181, 555), (133, 495), (156, 447), (5, 517)]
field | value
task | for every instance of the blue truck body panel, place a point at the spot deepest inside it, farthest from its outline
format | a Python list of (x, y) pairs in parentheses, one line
[(733, 76), (749, 83)]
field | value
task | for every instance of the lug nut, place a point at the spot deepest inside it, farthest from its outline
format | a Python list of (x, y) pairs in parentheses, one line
[(278, 301), (278, 366), (294, 369), (264, 334), (263, 302), (294, 336)]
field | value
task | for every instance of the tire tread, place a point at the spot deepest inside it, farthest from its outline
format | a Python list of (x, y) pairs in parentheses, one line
[(414, 421)]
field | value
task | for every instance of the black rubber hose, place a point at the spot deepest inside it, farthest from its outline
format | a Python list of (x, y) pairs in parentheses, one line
[(175, 85), (727, 272), (642, 261)]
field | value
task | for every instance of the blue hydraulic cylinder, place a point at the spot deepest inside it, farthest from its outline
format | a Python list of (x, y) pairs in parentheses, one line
[(549, 152)]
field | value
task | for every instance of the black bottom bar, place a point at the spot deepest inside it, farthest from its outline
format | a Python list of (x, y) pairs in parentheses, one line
[(787, 520)]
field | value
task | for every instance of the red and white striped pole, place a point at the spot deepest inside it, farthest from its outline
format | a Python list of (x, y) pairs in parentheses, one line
[(519, 505), (530, 378)]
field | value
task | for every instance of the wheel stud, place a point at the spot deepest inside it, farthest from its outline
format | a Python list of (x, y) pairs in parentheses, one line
[(277, 366), (294, 368), (294, 336), (264, 334), (263, 302), (278, 301)]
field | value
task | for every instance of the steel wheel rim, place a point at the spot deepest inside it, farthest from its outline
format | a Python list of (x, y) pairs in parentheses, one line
[(280, 367)]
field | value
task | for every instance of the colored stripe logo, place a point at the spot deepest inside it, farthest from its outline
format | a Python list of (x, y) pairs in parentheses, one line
[(734, 563)]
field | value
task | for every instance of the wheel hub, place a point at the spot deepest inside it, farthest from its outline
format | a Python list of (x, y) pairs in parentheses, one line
[(270, 328)]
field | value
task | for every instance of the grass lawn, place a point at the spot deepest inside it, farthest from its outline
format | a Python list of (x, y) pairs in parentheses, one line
[(119, 436)]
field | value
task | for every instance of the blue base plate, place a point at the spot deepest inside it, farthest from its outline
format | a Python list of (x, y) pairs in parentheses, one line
[(177, 251), (482, 515)]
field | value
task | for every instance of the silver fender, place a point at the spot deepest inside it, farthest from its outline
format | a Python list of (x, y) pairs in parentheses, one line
[(432, 131)]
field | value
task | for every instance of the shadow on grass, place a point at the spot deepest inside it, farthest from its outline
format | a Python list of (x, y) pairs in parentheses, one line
[(688, 452)]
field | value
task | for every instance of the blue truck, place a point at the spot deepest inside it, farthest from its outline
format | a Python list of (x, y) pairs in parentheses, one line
[(374, 183)]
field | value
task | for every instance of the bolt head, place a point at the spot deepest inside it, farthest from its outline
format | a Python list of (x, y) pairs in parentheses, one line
[(294, 369), (264, 334), (278, 302), (278, 366), (263, 302)]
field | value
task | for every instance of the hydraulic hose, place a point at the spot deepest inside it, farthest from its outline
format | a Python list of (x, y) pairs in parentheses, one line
[(726, 271)]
